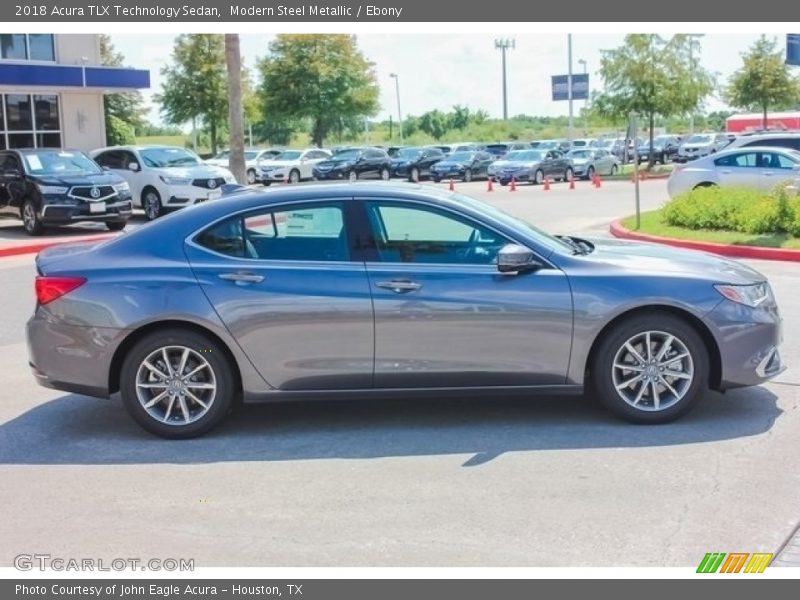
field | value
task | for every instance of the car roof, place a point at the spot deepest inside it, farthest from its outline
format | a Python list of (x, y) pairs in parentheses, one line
[(791, 151), (29, 150)]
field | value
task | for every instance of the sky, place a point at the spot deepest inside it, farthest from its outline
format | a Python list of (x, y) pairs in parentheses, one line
[(440, 70)]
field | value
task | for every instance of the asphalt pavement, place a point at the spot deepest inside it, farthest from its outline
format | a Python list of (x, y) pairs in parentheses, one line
[(498, 481)]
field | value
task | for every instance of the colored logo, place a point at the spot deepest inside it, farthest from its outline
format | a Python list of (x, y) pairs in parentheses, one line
[(735, 562)]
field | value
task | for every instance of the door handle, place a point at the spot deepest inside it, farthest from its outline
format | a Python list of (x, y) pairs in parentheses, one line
[(242, 277), (768, 173), (399, 286), (726, 171)]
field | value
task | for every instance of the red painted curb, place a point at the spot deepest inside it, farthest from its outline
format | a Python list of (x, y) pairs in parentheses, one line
[(755, 252), (34, 248)]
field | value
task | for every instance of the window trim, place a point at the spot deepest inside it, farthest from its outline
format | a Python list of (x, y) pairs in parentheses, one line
[(191, 239), (33, 132), (27, 60), (363, 200)]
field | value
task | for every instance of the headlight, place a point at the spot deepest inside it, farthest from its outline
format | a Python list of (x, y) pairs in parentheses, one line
[(175, 180), (122, 187), (52, 189), (230, 179), (749, 295)]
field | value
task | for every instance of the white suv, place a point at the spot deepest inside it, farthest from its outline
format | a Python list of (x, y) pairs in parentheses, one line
[(164, 178), (291, 165), (252, 158)]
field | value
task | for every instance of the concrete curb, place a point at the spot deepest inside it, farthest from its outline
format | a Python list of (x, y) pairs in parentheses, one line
[(34, 248), (754, 252)]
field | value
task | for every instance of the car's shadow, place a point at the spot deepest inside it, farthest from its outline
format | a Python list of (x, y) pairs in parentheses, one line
[(79, 430)]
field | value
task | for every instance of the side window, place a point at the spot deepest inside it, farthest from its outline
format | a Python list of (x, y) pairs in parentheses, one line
[(108, 159), (9, 162), (745, 159), (777, 161), (423, 235), (304, 233)]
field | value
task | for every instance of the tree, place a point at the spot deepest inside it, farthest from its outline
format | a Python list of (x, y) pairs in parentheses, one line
[(233, 60), (434, 123), (124, 113), (321, 78), (195, 84), (651, 76), (764, 80), (460, 116)]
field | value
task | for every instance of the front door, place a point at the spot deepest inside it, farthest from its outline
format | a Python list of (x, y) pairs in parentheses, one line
[(282, 281), (444, 315)]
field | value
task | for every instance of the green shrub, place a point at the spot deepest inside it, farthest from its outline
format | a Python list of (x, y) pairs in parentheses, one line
[(118, 132), (745, 210)]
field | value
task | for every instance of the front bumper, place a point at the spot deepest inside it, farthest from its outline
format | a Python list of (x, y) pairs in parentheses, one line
[(178, 196), (748, 340), (58, 213), (506, 176), (330, 174), (279, 174)]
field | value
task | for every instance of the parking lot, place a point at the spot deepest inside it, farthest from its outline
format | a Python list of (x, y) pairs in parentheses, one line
[(492, 482)]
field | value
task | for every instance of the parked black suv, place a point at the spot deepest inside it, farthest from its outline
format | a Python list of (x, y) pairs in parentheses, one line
[(48, 186), (355, 163), (415, 163), (665, 148)]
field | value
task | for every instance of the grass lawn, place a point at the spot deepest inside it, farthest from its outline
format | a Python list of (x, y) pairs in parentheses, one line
[(653, 225), (628, 169)]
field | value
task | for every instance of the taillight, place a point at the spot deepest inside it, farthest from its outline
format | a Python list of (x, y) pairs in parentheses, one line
[(52, 288)]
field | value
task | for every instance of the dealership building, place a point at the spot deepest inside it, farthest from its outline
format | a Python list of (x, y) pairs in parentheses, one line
[(52, 88)]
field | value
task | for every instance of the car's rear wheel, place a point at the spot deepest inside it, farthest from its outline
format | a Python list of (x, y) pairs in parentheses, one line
[(151, 203), (30, 219), (590, 172), (468, 175), (294, 176), (116, 225), (613, 169), (651, 368), (414, 175), (177, 384), (385, 174), (539, 177), (568, 174), (352, 176)]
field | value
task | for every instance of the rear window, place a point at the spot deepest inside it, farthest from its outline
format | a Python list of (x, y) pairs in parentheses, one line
[(793, 143)]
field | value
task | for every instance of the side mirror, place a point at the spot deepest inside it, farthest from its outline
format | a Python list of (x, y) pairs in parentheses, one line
[(133, 166), (513, 258), (12, 174)]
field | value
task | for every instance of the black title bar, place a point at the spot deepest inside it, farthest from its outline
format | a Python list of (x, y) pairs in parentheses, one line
[(407, 11)]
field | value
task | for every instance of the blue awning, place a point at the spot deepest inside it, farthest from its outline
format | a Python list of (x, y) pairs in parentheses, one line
[(21, 74)]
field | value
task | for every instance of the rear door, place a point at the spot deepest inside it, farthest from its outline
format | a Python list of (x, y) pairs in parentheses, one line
[(741, 168), (284, 282), (776, 168)]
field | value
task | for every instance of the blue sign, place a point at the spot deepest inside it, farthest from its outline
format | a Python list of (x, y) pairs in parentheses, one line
[(580, 86), (73, 76), (793, 49)]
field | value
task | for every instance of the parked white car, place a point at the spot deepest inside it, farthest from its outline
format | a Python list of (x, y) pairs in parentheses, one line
[(700, 145), (291, 165), (759, 167), (164, 178), (252, 157)]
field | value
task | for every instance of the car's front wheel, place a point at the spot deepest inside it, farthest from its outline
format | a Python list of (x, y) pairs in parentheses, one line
[(385, 174), (352, 176), (468, 175), (414, 175), (30, 219), (651, 368), (177, 384), (151, 203), (251, 176)]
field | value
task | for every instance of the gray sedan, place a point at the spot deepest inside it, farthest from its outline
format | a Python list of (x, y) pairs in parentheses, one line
[(388, 290), (757, 167), (588, 161)]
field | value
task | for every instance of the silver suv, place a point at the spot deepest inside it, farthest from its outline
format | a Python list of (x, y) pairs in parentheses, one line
[(779, 140), (701, 144)]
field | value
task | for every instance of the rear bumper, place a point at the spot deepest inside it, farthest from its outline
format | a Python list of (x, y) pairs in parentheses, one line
[(71, 358)]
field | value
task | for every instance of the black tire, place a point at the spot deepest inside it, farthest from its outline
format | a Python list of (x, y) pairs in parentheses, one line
[(503, 183), (539, 177), (266, 182), (385, 174), (294, 176), (31, 220), (413, 175), (223, 377), (436, 179), (614, 169), (151, 203), (251, 176), (590, 172), (605, 355), (568, 174), (116, 225), (705, 184), (467, 175), (352, 176)]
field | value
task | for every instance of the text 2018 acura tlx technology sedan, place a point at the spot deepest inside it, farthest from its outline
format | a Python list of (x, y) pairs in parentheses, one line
[(387, 289)]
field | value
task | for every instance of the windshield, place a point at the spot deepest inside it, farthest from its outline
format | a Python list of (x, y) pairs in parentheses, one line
[(581, 154), (528, 155), (699, 139), (409, 153), (161, 158), (250, 154), (604, 143), (461, 156), (345, 154), (223, 154), (56, 162), (289, 155), (548, 145), (542, 237)]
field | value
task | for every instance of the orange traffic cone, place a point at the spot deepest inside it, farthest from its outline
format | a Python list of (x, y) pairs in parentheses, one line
[(452, 185), (546, 184), (571, 182), (489, 186), (597, 181), (285, 178), (513, 187), (642, 175)]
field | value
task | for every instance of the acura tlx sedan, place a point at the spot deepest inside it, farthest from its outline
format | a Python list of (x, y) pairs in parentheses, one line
[(388, 289)]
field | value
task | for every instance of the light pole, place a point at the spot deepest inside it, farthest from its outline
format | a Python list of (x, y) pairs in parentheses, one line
[(586, 102), (569, 84), (503, 45), (396, 78), (692, 37)]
